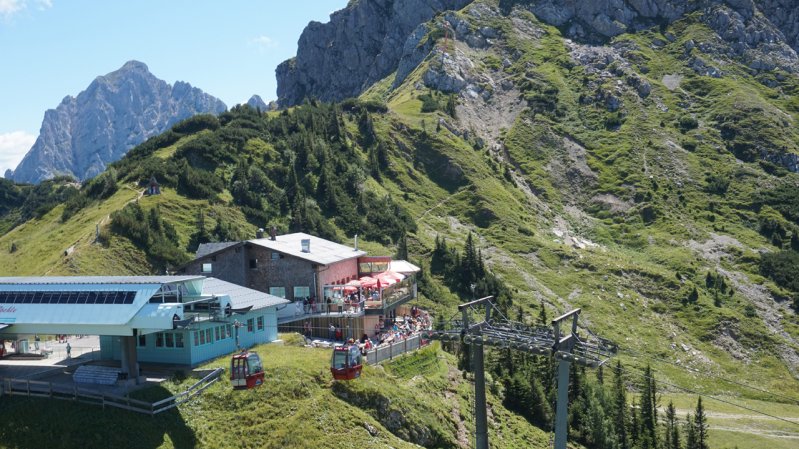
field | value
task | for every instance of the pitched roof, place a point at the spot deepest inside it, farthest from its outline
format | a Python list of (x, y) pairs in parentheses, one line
[(206, 249), (323, 252), (403, 266), (241, 297)]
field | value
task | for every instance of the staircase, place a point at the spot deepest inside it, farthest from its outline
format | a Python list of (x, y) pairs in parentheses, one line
[(98, 375)]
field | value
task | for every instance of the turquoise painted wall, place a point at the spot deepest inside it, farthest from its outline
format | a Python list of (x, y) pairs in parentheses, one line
[(204, 341)]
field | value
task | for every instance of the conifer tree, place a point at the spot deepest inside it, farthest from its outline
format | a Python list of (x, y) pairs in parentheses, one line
[(690, 433), (700, 425), (672, 435), (649, 410), (621, 418)]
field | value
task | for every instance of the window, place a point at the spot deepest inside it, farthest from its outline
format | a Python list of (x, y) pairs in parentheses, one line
[(208, 336), (260, 323), (170, 340), (253, 264), (196, 339), (142, 341), (227, 330), (301, 292), (202, 337), (249, 325), (216, 331), (159, 340), (278, 291), (275, 256), (207, 268), (179, 340)]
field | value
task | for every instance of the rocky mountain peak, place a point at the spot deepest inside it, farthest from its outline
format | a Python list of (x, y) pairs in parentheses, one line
[(116, 112), (371, 39), (256, 102), (362, 44)]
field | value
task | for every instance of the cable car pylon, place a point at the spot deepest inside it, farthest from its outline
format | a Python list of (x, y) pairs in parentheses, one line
[(496, 330)]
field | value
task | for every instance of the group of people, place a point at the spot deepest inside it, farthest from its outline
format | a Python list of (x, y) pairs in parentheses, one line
[(408, 326)]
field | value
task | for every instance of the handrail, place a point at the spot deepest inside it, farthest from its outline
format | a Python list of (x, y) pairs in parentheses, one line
[(25, 387)]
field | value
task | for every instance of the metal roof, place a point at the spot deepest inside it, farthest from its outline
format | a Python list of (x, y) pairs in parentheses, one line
[(241, 297), (206, 249), (323, 252), (403, 266), (75, 280)]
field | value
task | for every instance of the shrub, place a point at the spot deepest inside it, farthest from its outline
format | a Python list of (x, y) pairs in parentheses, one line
[(687, 123), (781, 267)]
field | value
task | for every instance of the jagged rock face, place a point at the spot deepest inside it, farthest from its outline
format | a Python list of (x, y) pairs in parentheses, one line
[(361, 44), (115, 113), (608, 18), (370, 39)]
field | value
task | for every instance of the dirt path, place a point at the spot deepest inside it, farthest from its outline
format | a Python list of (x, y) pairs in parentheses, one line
[(455, 413), (772, 433), (439, 204)]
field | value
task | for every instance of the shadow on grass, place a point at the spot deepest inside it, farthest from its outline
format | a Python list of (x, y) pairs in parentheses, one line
[(33, 423)]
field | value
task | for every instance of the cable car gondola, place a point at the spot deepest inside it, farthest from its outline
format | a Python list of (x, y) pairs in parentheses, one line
[(346, 362), (246, 370)]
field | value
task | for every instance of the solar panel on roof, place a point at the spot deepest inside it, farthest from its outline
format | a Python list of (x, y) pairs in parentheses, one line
[(68, 297)]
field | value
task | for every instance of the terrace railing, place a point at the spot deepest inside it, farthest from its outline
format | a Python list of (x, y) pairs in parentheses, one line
[(395, 349), (88, 395)]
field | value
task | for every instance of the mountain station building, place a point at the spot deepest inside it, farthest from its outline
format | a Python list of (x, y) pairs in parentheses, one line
[(321, 278), (182, 320)]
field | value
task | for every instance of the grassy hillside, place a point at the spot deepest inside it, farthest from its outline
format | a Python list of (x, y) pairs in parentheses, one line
[(421, 398)]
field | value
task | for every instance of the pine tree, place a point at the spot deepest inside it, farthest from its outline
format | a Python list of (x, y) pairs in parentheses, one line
[(649, 410), (621, 418), (672, 435), (635, 425), (542, 315), (402, 247), (795, 240), (700, 424), (690, 433)]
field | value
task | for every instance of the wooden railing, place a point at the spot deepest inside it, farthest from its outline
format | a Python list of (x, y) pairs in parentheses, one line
[(86, 395)]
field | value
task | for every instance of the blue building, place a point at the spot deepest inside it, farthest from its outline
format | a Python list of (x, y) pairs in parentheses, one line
[(182, 320)]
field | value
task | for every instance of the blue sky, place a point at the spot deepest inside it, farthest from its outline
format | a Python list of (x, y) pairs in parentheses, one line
[(53, 48)]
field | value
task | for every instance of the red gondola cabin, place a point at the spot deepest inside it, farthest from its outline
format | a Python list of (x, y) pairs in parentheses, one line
[(246, 370), (346, 362)]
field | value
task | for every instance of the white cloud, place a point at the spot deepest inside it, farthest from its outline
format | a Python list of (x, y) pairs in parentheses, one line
[(10, 7), (13, 147), (263, 43)]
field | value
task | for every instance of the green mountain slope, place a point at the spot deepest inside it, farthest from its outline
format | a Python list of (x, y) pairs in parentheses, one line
[(627, 179)]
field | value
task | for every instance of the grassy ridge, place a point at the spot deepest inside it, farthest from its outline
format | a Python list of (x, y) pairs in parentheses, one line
[(298, 406)]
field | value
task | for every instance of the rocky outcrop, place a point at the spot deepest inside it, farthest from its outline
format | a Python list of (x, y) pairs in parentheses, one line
[(361, 44), (115, 113), (370, 39)]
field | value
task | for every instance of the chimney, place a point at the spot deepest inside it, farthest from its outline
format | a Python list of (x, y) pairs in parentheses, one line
[(259, 234), (306, 245), (273, 234), (356, 242)]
